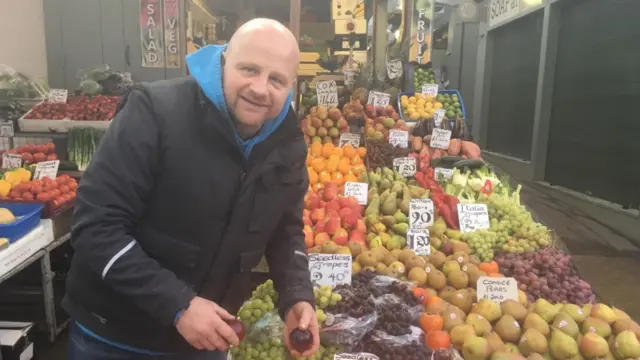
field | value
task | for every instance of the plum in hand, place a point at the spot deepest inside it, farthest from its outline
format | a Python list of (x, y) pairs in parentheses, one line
[(301, 340), (238, 327)]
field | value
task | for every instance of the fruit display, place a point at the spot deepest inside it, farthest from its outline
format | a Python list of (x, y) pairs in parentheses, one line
[(422, 107), (328, 163), (458, 150), (82, 143), (423, 76), (33, 154), (96, 108), (309, 97), (324, 125), (53, 193), (380, 153), (379, 121)]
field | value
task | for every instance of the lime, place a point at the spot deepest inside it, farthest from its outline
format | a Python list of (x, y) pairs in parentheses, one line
[(456, 105), (451, 114)]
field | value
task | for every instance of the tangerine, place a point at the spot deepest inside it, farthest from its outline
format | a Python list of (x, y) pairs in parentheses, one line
[(349, 151), (325, 177), (438, 339), (362, 152), (313, 176), (337, 178), (327, 149), (318, 164), (430, 322), (316, 149)]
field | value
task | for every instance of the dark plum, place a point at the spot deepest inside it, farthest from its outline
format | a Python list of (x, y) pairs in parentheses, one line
[(301, 340), (238, 327)]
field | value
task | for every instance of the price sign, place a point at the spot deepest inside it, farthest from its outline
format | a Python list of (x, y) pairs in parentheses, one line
[(349, 77), (327, 92), (378, 99), (399, 138), (330, 269), (418, 241), (501, 10), (11, 161), (406, 166), (6, 128), (442, 174), (394, 69), (359, 356), (473, 217), (46, 169), (358, 190), (438, 116), (58, 95), (430, 89), (440, 138), (497, 289), (349, 138), (420, 213)]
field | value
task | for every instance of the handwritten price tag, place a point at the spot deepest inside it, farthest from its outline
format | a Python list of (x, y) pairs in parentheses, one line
[(358, 190), (497, 289), (378, 99), (394, 69), (406, 166), (430, 89), (442, 174), (327, 93), (418, 241), (420, 213), (349, 77), (11, 161), (6, 128), (358, 356), (440, 138), (473, 217), (58, 95), (349, 138), (46, 169), (399, 138), (330, 269), (438, 116)]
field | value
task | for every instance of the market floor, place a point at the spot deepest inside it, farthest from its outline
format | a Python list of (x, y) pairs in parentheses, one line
[(606, 269)]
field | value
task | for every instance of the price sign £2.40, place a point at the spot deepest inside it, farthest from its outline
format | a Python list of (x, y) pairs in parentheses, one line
[(418, 241), (327, 93), (420, 213), (406, 166), (330, 269)]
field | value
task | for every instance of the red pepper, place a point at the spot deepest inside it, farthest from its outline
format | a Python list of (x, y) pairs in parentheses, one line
[(453, 202), (447, 215), (487, 188)]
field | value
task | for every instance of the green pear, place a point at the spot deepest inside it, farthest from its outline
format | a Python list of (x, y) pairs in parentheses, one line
[(596, 325), (532, 341), (565, 323), (626, 345), (545, 309), (476, 348), (562, 346), (508, 328), (577, 314), (593, 346), (534, 321)]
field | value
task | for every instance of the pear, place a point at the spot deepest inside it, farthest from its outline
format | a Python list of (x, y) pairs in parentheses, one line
[(437, 259), (512, 348), (532, 341), (481, 325), (463, 300), (488, 309), (522, 297), (508, 328), (565, 323), (460, 334), (626, 324), (535, 356), (545, 309), (603, 312), (593, 346), (476, 348), (575, 311), (437, 280), (534, 321), (620, 314), (494, 340), (626, 345), (449, 266), (515, 309), (503, 355), (596, 325), (452, 317), (562, 346)]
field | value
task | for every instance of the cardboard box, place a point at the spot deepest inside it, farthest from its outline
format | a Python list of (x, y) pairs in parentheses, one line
[(15, 343)]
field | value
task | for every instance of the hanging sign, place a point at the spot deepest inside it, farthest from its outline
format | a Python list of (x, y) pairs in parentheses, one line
[(151, 34), (327, 93), (473, 217), (378, 99), (171, 33), (394, 69), (330, 269)]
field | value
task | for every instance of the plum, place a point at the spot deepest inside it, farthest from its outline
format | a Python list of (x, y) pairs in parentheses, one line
[(301, 340), (238, 327)]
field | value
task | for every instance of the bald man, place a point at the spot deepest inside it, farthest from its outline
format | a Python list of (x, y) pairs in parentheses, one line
[(196, 179)]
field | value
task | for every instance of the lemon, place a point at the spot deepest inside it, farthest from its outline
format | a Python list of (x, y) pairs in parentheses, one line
[(414, 116), (412, 100), (404, 98), (437, 105)]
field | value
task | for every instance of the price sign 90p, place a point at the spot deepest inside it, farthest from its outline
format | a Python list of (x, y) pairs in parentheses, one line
[(420, 213)]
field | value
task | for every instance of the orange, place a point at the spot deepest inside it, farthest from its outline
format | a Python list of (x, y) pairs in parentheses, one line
[(316, 149), (438, 339), (318, 164), (430, 322), (357, 160), (337, 178), (316, 187), (344, 168), (309, 159), (332, 164), (327, 150), (349, 151), (313, 176), (362, 152), (338, 151), (325, 177)]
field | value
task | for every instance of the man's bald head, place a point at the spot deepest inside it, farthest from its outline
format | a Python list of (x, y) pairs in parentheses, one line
[(261, 64)]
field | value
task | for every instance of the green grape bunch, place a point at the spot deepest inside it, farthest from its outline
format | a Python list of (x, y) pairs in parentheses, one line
[(263, 300), (272, 349)]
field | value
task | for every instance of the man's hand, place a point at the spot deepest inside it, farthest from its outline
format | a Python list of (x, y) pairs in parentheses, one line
[(302, 316), (202, 325)]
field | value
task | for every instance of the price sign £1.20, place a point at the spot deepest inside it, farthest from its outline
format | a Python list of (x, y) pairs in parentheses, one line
[(327, 93), (418, 241), (420, 213), (406, 166), (399, 138), (378, 99), (473, 217), (330, 269), (440, 138), (358, 190), (349, 138), (11, 161)]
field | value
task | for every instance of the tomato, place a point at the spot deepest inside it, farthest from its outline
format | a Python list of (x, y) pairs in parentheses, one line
[(36, 189), (64, 189), (36, 183), (72, 185), (14, 194), (27, 157), (44, 196), (43, 148), (56, 193), (39, 157), (20, 188), (52, 157), (27, 196), (51, 147), (31, 148)]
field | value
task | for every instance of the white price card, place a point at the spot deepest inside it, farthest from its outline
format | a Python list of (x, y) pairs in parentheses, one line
[(327, 92), (443, 174), (349, 138), (473, 217), (440, 138), (394, 69), (430, 89), (358, 356), (378, 99), (406, 166), (330, 269), (399, 138), (58, 95), (350, 77), (438, 116), (420, 213), (46, 169), (418, 241), (497, 289), (11, 161), (358, 190), (6, 128), (502, 10)]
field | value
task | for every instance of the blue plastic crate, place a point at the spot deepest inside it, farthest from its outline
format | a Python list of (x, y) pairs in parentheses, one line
[(27, 218), (440, 92)]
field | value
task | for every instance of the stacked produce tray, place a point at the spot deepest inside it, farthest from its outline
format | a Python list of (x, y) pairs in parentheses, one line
[(27, 219), (440, 92), (42, 125)]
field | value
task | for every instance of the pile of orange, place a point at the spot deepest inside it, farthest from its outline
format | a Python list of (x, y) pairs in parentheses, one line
[(329, 163)]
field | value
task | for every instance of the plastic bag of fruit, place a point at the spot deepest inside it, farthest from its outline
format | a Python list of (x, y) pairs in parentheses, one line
[(342, 329), (380, 285), (415, 335), (395, 302), (268, 327)]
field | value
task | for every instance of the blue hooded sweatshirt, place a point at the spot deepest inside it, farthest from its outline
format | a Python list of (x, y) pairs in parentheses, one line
[(205, 65)]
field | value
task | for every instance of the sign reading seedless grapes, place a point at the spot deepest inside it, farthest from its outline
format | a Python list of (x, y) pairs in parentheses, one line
[(473, 217), (330, 269)]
